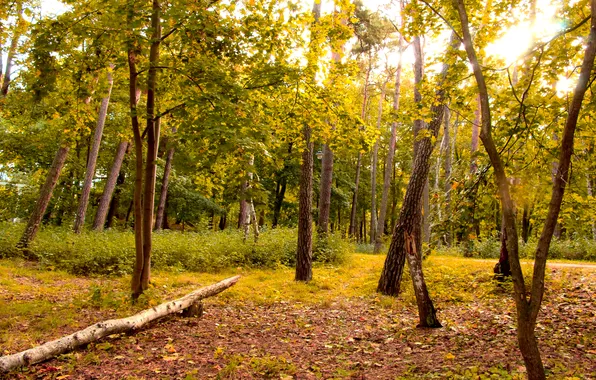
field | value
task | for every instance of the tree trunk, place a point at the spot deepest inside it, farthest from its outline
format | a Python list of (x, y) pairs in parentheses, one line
[(304, 249), (304, 244), (475, 135), (113, 326), (528, 309), (353, 211), (134, 95), (405, 243), (115, 202), (165, 181), (527, 214), (373, 172), (325, 190), (280, 190), (590, 186), (92, 158), (353, 225), (243, 210), (12, 51), (44, 198), (106, 197)]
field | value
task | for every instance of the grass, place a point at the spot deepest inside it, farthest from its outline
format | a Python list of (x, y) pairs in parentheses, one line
[(37, 304)]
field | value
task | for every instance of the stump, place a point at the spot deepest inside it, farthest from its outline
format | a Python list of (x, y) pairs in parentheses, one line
[(194, 310)]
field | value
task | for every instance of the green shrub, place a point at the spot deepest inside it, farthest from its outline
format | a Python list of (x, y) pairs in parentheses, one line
[(112, 252)]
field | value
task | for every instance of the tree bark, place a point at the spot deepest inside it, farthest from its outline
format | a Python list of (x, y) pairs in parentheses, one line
[(280, 190), (115, 202), (92, 158), (153, 126), (404, 243), (304, 249), (528, 309), (165, 181), (44, 198), (113, 326), (590, 187), (134, 95), (106, 197)]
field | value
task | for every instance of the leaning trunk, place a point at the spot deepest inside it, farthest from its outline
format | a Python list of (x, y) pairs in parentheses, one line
[(405, 240), (12, 51), (165, 181), (92, 158), (44, 198), (106, 197)]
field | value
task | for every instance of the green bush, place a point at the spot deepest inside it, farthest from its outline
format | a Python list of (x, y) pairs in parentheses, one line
[(112, 252), (576, 249)]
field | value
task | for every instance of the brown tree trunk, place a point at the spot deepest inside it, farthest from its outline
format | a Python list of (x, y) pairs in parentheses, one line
[(44, 198), (115, 202), (590, 187), (528, 309), (405, 243), (325, 190), (92, 158), (134, 95), (12, 51), (153, 126), (280, 190), (165, 181), (106, 197), (304, 249), (304, 245)]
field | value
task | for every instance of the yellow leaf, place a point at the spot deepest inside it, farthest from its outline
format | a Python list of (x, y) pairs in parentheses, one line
[(449, 356)]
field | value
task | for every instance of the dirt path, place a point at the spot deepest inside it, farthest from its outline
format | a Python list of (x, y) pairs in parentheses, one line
[(549, 264)]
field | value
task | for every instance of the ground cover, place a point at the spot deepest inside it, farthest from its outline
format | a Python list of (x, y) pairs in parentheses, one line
[(268, 326)]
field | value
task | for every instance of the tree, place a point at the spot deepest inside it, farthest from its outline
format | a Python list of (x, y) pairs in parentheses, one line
[(406, 242), (528, 308)]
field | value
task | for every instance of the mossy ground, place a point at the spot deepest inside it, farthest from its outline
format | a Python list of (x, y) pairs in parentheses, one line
[(268, 326)]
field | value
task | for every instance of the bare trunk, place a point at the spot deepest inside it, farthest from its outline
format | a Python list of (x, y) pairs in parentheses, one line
[(92, 158), (115, 202), (165, 181), (44, 198), (280, 191), (113, 326), (106, 197)]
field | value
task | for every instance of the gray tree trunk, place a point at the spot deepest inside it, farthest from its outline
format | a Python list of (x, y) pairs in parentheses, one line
[(108, 191), (92, 158), (12, 51)]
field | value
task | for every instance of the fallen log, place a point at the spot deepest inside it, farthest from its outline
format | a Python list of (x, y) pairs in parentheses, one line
[(113, 326)]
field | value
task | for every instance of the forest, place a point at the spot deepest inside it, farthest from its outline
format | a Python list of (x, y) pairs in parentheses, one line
[(295, 189)]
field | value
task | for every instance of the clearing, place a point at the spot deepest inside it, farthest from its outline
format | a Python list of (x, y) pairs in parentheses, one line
[(268, 326)]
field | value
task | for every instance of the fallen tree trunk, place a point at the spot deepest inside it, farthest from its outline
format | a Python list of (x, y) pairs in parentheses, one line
[(113, 326)]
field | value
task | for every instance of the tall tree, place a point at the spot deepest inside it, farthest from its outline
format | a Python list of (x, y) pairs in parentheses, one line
[(304, 246), (18, 30), (528, 308), (405, 243), (389, 165)]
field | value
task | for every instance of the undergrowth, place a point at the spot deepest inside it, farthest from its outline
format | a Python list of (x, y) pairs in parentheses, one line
[(112, 252)]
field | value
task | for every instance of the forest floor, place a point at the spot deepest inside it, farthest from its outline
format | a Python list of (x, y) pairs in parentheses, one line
[(268, 326)]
